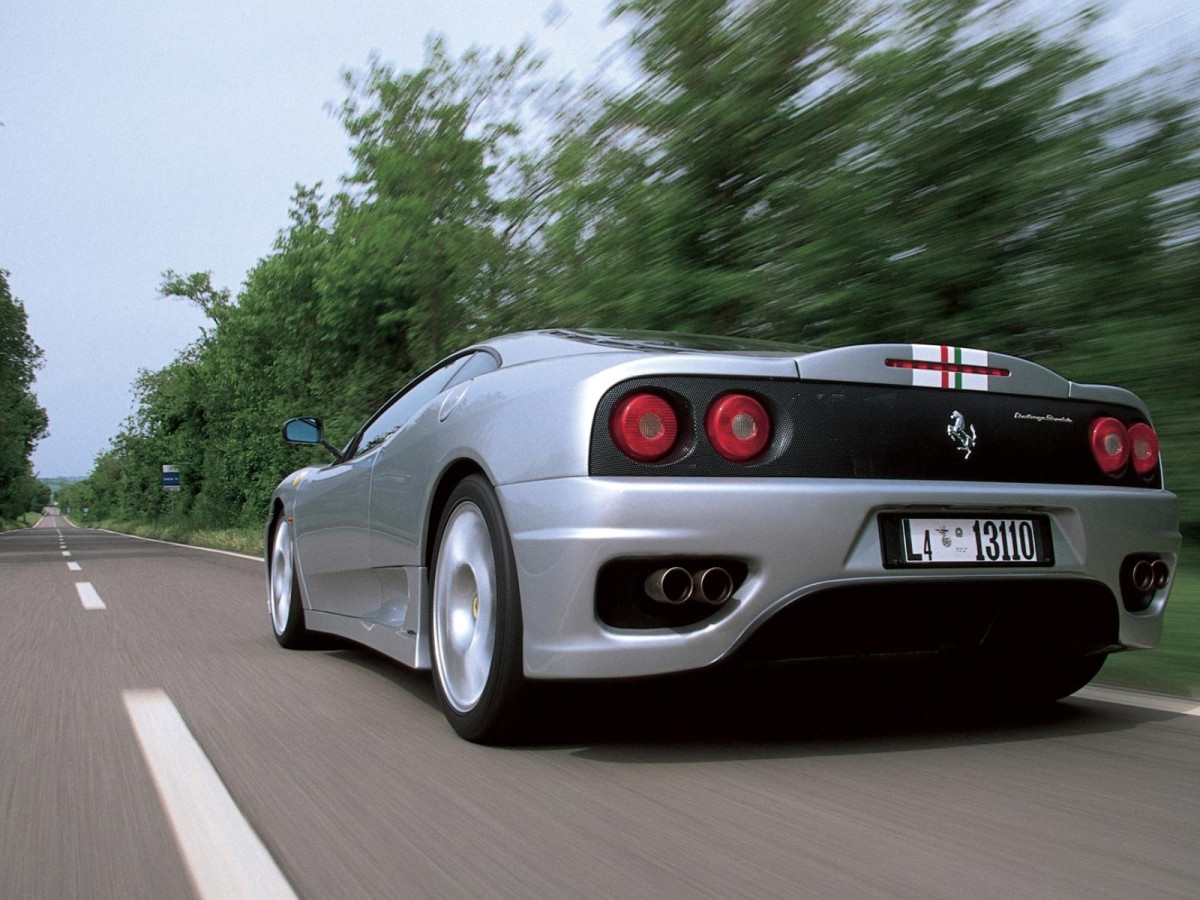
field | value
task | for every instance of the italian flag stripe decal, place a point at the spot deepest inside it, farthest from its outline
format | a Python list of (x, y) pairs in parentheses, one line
[(949, 356)]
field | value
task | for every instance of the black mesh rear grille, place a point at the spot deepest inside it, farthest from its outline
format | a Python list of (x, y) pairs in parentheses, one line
[(828, 430), (937, 616)]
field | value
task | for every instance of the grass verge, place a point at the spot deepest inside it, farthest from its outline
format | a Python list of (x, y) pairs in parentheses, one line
[(26, 521), (238, 540)]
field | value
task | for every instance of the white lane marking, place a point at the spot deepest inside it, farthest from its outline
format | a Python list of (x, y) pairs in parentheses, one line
[(138, 537), (1184, 706), (66, 553), (74, 567), (223, 854), (88, 596)]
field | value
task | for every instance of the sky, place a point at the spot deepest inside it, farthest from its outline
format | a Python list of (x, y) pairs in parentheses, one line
[(140, 137)]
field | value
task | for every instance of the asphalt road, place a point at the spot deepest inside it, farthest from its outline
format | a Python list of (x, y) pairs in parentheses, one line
[(839, 783)]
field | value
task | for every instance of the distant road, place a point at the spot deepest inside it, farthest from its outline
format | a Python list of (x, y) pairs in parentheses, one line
[(155, 742)]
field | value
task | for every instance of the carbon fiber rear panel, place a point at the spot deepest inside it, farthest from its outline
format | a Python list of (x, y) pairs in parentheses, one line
[(828, 430)]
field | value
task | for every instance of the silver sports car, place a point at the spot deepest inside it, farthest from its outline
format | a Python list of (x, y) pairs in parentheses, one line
[(583, 505)]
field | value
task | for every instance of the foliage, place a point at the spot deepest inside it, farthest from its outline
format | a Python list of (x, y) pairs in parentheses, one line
[(411, 258), (938, 171), (22, 421), (25, 520), (247, 540)]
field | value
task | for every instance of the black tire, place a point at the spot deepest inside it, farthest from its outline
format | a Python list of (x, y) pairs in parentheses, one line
[(475, 617), (1042, 678), (283, 590), (1061, 678)]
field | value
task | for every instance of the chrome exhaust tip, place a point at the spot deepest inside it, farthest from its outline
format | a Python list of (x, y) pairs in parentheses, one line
[(1161, 574), (713, 585), (1142, 576), (672, 586)]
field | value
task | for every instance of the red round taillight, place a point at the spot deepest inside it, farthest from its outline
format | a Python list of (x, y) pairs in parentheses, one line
[(1143, 448), (738, 427), (644, 426), (1110, 444)]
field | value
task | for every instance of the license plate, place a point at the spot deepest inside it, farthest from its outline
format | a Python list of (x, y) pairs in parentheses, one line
[(968, 541)]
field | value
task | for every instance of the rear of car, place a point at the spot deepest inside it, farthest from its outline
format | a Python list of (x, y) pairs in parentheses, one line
[(868, 501)]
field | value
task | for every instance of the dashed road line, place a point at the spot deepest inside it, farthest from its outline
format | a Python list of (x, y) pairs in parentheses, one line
[(224, 856), (66, 553), (88, 596), (74, 567)]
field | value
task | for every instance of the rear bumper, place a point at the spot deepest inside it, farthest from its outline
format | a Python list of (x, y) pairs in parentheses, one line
[(798, 537)]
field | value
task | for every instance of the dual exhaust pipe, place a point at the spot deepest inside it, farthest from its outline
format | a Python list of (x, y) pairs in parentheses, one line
[(1142, 577), (675, 585), (1149, 575)]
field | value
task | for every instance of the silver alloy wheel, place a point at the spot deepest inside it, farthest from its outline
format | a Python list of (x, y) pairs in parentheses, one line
[(464, 607), (281, 577)]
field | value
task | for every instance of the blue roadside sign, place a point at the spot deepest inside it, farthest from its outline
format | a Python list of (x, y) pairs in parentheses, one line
[(170, 478)]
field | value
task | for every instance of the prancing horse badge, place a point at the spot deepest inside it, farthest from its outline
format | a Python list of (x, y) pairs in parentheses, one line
[(962, 434)]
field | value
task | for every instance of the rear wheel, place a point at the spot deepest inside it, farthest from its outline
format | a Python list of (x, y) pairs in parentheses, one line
[(1042, 678), (287, 612), (1060, 678), (476, 613)]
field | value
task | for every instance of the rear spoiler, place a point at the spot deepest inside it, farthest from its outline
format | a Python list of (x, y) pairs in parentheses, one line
[(934, 366), (952, 369)]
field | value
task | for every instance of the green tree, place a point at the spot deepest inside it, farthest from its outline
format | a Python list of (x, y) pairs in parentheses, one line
[(413, 257), (22, 421), (43, 496), (421, 234), (681, 197)]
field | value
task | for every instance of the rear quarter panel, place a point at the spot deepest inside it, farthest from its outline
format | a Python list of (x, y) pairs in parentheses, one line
[(528, 422)]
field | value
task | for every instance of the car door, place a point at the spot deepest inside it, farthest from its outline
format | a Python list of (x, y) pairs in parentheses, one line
[(333, 534), (331, 517), (404, 472)]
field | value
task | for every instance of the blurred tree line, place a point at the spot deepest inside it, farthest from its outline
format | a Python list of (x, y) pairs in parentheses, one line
[(826, 171), (22, 421)]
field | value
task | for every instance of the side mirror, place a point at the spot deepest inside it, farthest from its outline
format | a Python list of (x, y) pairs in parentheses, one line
[(307, 430)]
